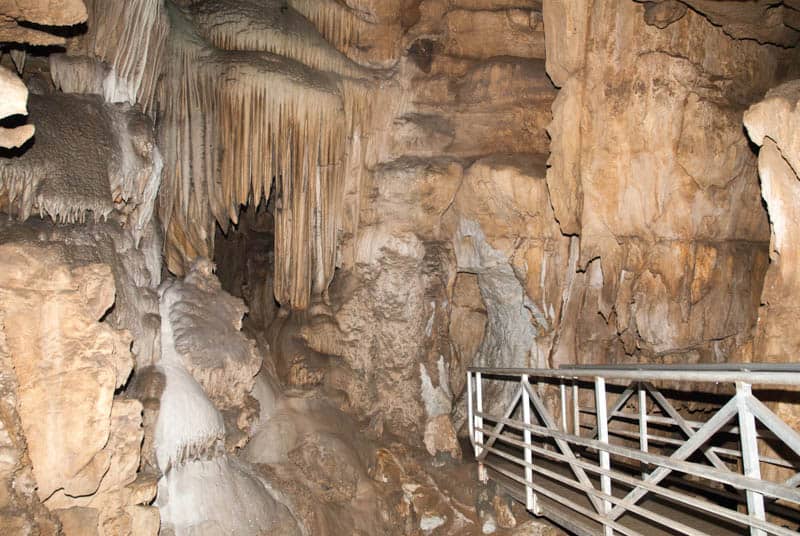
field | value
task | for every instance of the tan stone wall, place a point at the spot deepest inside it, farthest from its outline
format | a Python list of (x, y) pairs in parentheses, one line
[(650, 169)]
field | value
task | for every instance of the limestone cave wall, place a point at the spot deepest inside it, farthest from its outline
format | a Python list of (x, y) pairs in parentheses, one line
[(650, 170), (250, 247)]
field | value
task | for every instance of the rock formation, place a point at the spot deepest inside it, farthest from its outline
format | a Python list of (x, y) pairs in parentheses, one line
[(648, 167), (251, 247), (82, 441), (25, 23), (769, 124)]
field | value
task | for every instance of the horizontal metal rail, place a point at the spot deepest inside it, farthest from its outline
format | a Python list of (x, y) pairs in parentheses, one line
[(716, 367), (755, 377), (683, 498), (717, 450), (525, 445), (658, 419)]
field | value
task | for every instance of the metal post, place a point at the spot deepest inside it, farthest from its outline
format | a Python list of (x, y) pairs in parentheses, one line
[(750, 458), (643, 446), (536, 420), (602, 435), (531, 502), (470, 413), (482, 476), (576, 410)]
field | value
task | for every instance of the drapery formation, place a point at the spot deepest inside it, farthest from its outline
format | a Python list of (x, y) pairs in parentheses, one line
[(129, 36), (237, 112), (246, 94)]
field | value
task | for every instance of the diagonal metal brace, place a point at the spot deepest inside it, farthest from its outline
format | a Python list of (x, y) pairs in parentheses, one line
[(621, 400), (500, 425), (683, 425), (703, 434), (566, 450), (776, 425)]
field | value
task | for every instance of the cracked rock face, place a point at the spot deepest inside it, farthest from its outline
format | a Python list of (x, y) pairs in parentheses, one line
[(764, 21), (391, 192), (648, 167), (83, 442)]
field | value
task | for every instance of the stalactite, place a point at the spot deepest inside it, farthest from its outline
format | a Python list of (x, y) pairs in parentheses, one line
[(347, 29), (368, 33), (128, 35), (336, 22), (20, 197), (249, 25), (232, 121), (18, 56)]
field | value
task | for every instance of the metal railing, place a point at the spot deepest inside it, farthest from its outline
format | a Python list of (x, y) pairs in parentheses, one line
[(640, 463)]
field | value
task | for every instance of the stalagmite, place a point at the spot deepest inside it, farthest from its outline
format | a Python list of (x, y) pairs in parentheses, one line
[(209, 367)]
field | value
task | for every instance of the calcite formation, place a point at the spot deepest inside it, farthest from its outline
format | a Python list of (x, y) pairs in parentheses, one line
[(25, 23), (389, 193), (291, 111), (122, 174), (15, 102), (209, 369), (769, 125)]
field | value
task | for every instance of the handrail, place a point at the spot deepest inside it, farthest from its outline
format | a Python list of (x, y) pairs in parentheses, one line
[(536, 438), (751, 367), (699, 375)]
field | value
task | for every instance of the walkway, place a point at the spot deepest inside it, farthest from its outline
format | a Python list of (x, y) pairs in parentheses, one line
[(643, 449)]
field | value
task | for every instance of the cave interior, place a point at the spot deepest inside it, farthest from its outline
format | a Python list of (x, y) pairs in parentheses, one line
[(252, 253)]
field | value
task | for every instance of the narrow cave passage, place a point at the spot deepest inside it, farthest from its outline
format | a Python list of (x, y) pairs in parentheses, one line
[(399, 267), (245, 262)]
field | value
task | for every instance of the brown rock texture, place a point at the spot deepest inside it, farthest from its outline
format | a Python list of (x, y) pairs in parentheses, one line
[(649, 169), (763, 20), (83, 443), (21, 511), (49, 369), (39, 12), (769, 124)]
